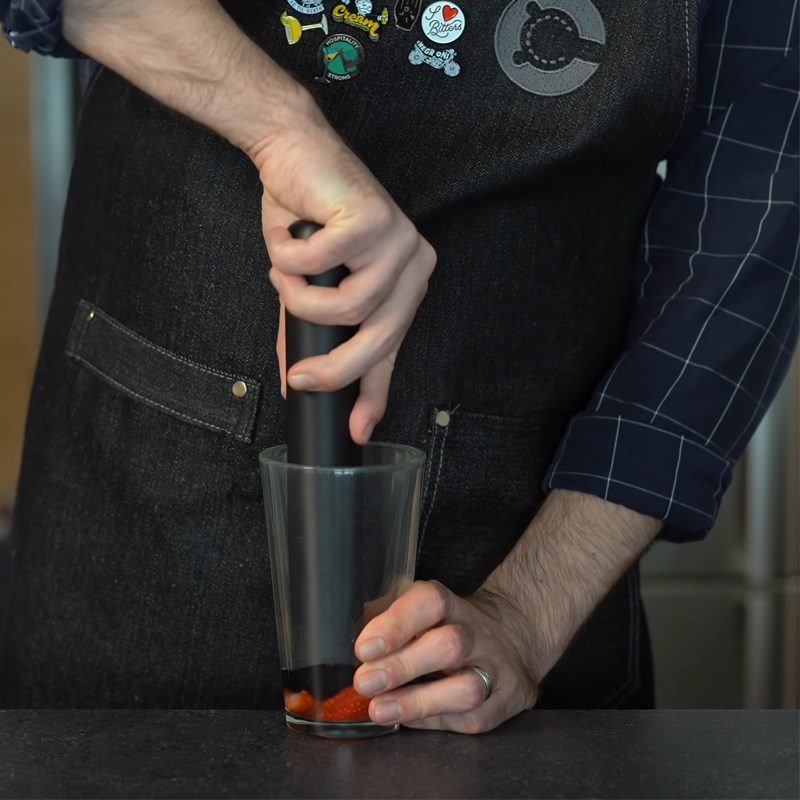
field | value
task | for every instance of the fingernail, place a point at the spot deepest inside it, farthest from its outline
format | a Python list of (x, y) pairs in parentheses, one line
[(302, 382), (372, 682), (387, 711), (372, 648), (368, 431)]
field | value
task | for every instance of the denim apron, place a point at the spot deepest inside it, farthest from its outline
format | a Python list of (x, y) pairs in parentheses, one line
[(522, 139)]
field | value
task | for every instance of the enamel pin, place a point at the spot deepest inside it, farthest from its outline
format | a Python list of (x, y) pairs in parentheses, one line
[(307, 6), (341, 57), (438, 59), (294, 28), (442, 22), (359, 20), (406, 13)]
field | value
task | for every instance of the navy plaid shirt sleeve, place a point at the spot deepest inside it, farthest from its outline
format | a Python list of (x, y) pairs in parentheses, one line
[(35, 25), (712, 335)]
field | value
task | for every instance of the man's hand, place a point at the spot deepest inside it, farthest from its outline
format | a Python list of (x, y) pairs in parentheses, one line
[(308, 172), (516, 626), (430, 629), (192, 57)]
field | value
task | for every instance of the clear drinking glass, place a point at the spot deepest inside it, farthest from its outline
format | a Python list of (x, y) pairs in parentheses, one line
[(342, 543)]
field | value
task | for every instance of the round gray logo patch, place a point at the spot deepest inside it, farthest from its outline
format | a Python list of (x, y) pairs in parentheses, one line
[(549, 47)]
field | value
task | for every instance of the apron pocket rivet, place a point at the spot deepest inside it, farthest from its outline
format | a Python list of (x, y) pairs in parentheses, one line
[(239, 389)]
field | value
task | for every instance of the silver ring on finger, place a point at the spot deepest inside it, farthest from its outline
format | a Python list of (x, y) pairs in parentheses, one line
[(487, 680)]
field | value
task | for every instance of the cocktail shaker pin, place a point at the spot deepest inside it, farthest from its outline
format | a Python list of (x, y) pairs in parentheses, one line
[(294, 28), (406, 13)]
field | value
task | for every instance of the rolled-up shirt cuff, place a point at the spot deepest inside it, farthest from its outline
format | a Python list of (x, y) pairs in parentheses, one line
[(35, 25), (648, 469)]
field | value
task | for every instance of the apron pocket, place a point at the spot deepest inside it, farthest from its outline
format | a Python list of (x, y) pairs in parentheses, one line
[(162, 379)]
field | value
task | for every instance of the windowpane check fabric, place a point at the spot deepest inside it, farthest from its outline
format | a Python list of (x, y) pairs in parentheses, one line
[(35, 25), (717, 315)]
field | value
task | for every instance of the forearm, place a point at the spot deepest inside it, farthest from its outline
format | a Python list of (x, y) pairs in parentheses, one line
[(191, 56), (575, 549)]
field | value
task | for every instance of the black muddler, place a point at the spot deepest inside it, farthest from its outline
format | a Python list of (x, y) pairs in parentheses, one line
[(318, 422), (323, 509)]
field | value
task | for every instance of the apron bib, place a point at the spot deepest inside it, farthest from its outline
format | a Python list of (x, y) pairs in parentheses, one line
[(521, 138)]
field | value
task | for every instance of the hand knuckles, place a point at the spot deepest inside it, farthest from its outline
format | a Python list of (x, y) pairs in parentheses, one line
[(291, 304), (474, 722), (409, 236), (282, 260), (400, 671), (300, 263), (380, 214), (473, 690), (417, 707), (374, 297), (352, 314), (437, 598), (350, 319), (313, 263), (452, 644), (317, 307)]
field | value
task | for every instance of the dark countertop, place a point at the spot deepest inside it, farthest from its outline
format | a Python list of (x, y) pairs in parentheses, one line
[(244, 754)]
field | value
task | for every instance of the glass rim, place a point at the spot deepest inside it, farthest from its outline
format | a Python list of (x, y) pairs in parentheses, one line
[(415, 458)]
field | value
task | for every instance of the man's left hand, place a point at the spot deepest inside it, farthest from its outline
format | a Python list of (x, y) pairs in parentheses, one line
[(430, 629), (516, 626)]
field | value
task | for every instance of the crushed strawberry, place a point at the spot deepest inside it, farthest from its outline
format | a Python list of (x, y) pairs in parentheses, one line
[(300, 703), (345, 706)]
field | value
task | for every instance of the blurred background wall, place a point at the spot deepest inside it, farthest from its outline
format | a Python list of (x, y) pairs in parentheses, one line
[(723, 613), (19, 318)]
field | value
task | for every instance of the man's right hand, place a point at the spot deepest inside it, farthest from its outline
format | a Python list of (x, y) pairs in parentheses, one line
[(309, 173), (192, 57)]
